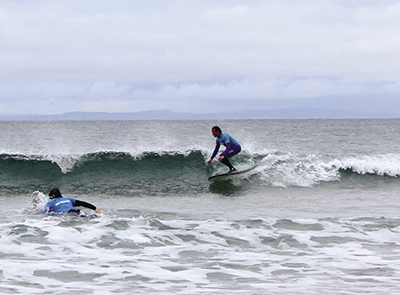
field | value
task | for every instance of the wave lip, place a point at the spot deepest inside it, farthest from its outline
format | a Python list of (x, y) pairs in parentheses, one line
[(287, 169), (381, 165), (67, 163)]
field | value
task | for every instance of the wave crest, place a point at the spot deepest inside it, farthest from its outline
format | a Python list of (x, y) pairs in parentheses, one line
[(156, 173), (382, 165)]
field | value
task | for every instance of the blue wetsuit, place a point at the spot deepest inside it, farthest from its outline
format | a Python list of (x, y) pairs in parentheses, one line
[(232, 146), (65, 205)]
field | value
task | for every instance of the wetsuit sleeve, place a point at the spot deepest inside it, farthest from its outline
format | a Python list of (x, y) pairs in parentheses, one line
[(84, 204), (46, 208), (215, 150)]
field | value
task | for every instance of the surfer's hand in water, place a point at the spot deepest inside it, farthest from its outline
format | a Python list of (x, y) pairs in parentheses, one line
[(209, 161), (98, 210)]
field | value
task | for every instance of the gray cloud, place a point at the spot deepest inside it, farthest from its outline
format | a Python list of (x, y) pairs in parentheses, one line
[(193, 55)]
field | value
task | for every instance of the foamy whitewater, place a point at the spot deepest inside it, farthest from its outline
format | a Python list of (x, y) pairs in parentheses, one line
[(319, 214)]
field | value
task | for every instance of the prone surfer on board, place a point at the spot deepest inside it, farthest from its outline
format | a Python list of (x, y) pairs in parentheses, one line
[(59, 204), (232, 147)]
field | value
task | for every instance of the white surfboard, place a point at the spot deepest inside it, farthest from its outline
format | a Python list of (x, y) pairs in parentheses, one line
[(228, 175)]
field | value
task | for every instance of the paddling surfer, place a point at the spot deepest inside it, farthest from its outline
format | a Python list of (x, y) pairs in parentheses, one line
[(59, 204)]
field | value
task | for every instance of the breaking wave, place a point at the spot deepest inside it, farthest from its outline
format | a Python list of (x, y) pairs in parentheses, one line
[(181, 172)]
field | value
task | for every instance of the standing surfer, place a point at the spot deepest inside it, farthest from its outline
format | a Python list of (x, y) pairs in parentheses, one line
[(232, 147)]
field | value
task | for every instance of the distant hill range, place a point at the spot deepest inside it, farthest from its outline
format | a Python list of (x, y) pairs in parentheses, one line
[(298, 113)]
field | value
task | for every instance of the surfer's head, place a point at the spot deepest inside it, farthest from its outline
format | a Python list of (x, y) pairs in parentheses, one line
[(216, 131), (55, 193)]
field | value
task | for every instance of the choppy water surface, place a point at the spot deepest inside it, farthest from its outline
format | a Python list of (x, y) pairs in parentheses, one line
[(319, 215)]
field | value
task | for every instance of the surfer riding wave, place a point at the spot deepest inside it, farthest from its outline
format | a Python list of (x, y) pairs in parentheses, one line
[(232, 147)]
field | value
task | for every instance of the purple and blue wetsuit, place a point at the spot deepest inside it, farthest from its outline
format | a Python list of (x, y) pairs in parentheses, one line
[(232, 146)]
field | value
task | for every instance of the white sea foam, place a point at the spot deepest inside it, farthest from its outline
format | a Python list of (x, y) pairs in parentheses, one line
[(288, 169), (388, 164), (148, 254), (282, 170), (39, 201)]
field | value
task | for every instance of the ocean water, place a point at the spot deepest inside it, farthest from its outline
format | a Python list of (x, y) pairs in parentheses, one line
[(319, 214)]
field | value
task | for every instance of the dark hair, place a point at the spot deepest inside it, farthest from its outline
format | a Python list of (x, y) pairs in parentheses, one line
[(217, 129), (55, 193)]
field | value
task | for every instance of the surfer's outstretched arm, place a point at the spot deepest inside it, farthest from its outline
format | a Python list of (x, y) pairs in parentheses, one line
[(214, 153), (88, 205)]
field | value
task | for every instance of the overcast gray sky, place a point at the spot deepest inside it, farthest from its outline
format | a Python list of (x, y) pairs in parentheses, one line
[(198, 56)]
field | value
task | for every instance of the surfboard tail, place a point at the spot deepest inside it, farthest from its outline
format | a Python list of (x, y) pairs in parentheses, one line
[(230, 174)]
